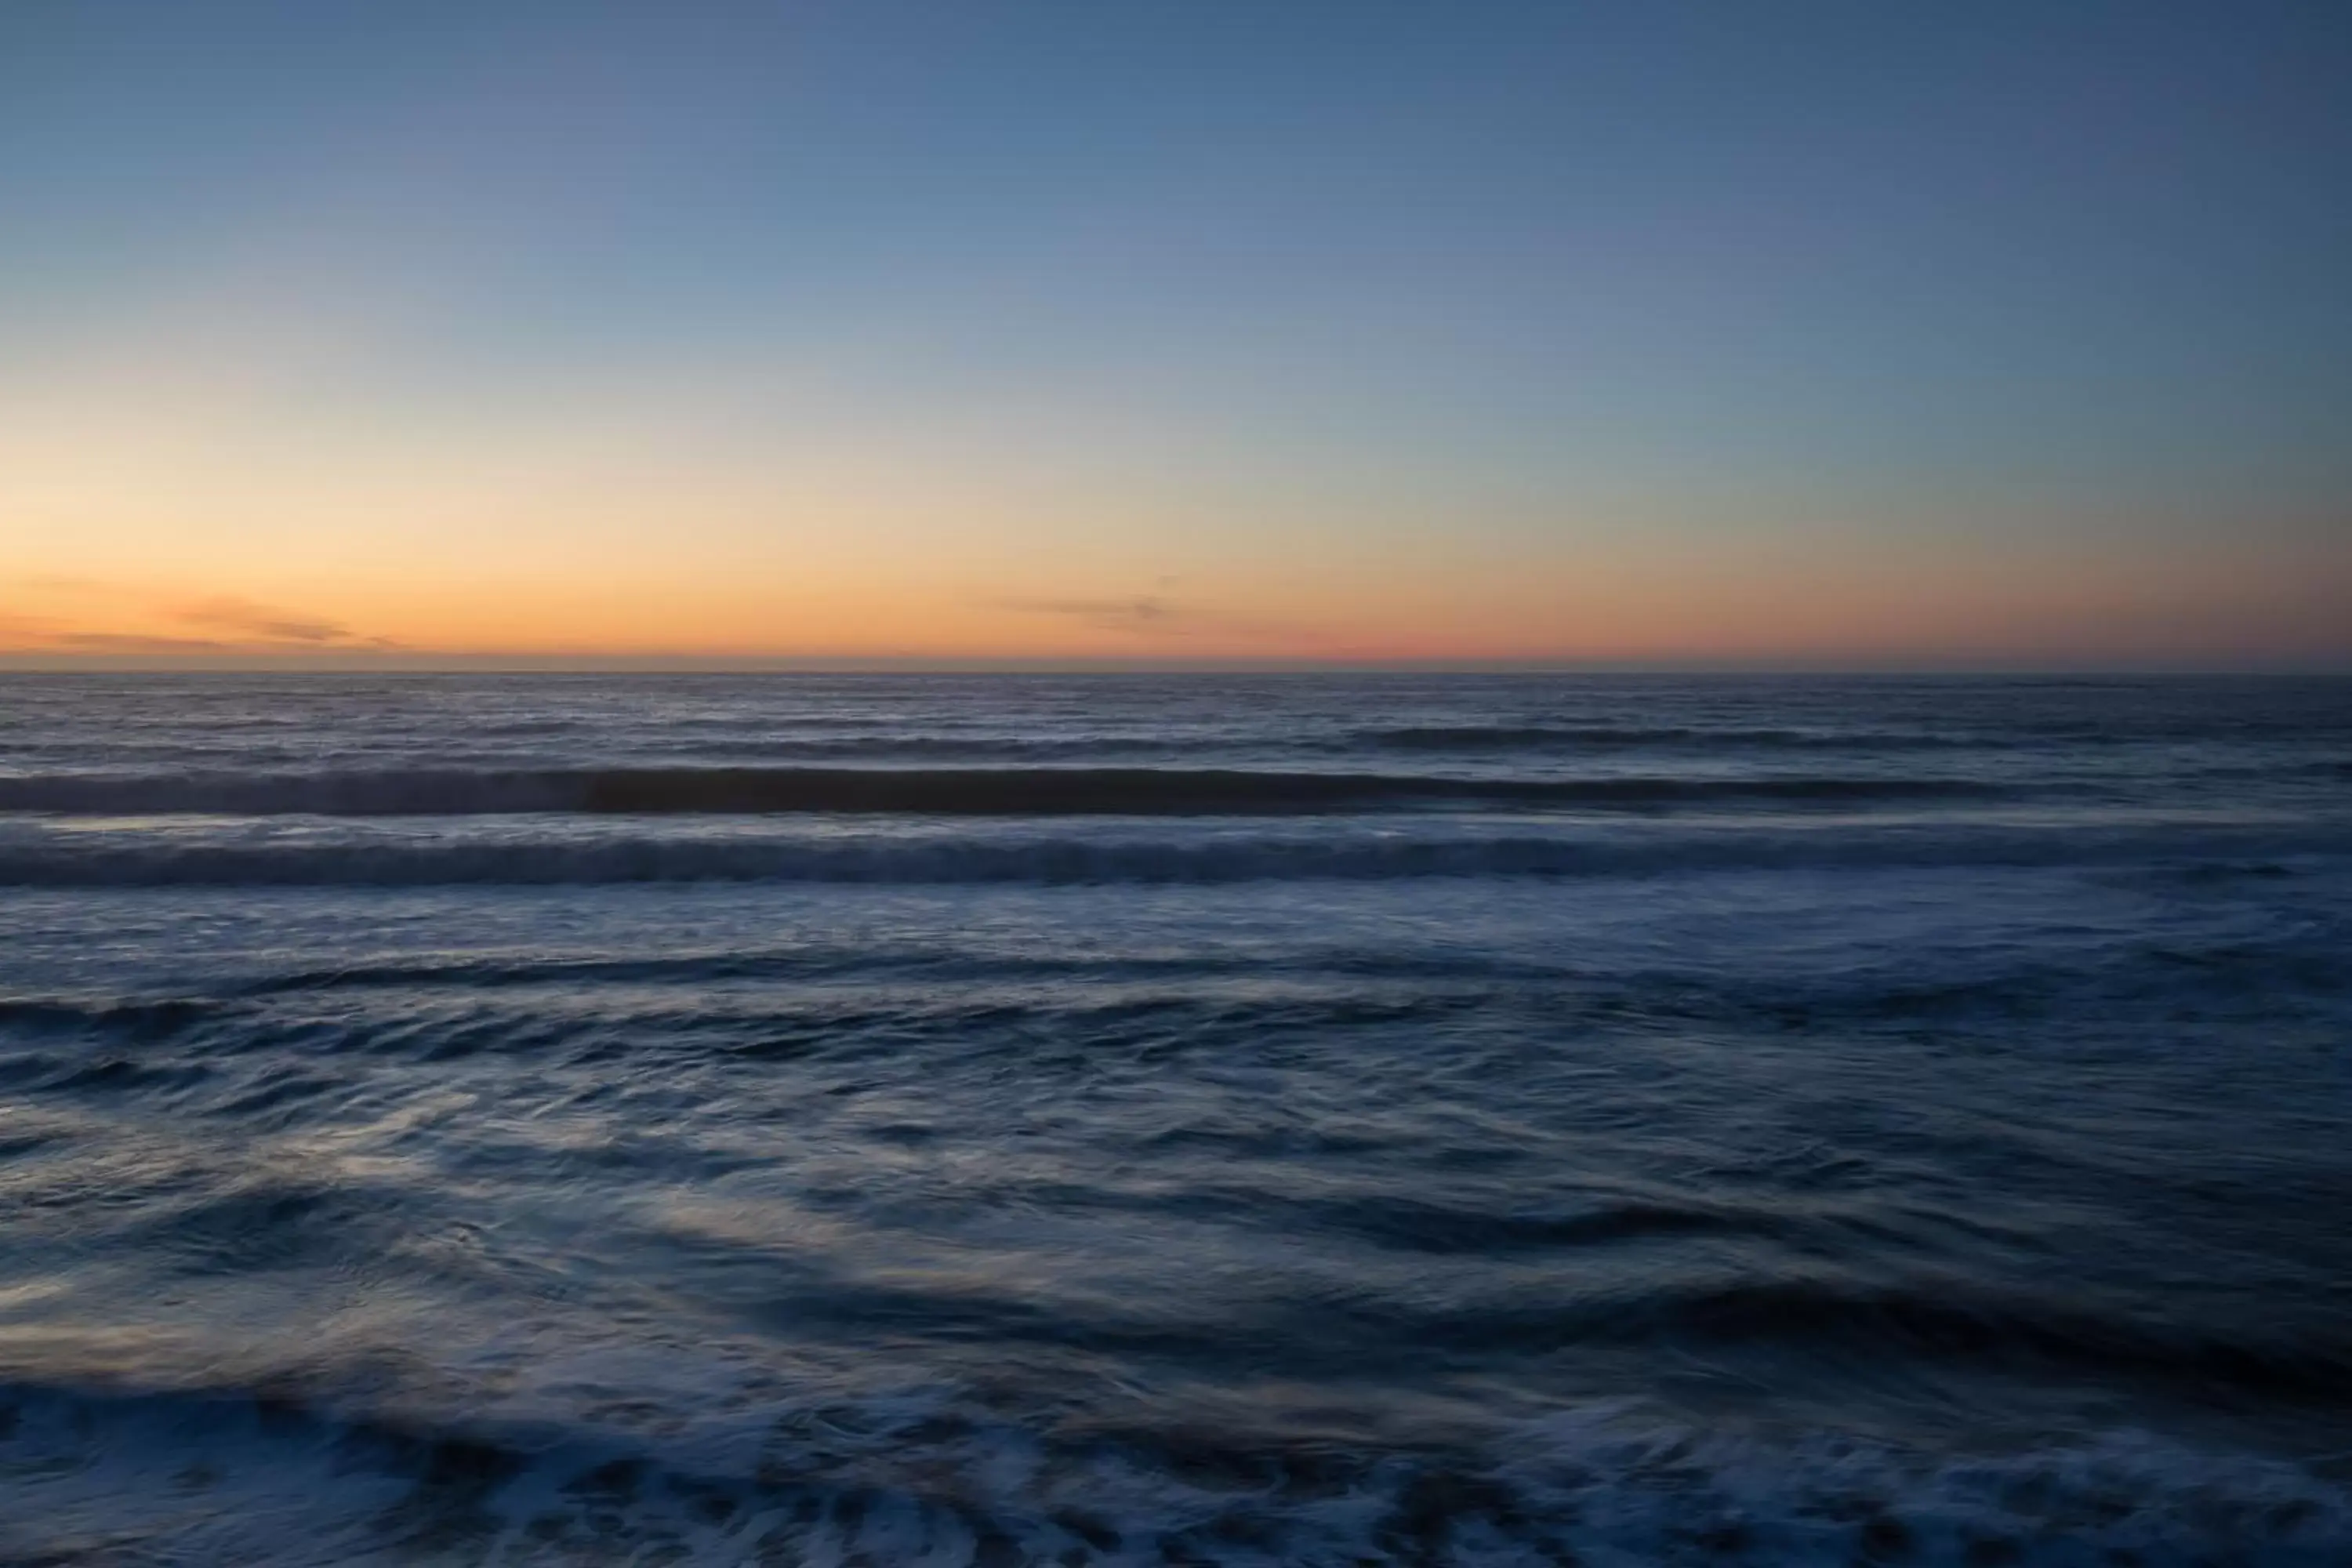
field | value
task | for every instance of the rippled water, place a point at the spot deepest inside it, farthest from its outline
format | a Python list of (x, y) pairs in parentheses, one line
[(1187, 1120)]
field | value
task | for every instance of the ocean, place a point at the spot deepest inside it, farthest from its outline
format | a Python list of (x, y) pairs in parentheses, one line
[(1205, 1119)]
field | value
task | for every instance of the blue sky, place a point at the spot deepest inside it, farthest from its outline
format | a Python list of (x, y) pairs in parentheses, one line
[(1363, 321)]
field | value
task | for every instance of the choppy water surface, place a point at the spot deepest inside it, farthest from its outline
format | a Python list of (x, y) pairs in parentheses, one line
[(1203, 1119)]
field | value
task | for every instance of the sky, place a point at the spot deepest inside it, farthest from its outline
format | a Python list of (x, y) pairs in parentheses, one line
[(1129, 331)]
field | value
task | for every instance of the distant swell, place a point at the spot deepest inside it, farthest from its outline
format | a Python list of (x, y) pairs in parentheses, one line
[(1540, 737), (1305, 855), (962, 791)]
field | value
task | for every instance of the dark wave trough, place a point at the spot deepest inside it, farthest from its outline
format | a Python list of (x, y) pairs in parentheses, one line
[(956, 792)]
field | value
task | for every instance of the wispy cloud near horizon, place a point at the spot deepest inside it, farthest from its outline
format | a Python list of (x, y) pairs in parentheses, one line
[(138, 643), (1157, 616), (246, 625), (263, 621), (1147, 613)]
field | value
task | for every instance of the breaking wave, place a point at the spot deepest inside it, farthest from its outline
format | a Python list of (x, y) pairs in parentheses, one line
[(914, 1477)]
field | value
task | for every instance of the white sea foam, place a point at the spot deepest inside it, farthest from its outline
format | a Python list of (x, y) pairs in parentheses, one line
[(214, 1478)]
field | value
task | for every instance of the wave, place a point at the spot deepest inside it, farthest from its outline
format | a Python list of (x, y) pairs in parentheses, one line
[(960, 792), (1953, 1320), (1432, 738), (1538, 737), (290, 1476), (124, 863)]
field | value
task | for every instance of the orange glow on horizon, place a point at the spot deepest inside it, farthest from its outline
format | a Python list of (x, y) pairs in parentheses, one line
[(1751, 610), (235, 476)]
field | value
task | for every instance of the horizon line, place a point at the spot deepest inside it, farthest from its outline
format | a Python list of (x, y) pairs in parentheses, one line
[(31, 663)]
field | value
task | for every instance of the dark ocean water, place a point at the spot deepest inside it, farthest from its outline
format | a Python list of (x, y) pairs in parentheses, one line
[(894, 1119)]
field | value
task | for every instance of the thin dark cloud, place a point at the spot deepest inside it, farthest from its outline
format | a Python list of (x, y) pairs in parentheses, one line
[(264, 622), (133, 642), (246, 628), (1144, 613), (1157, 615)]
